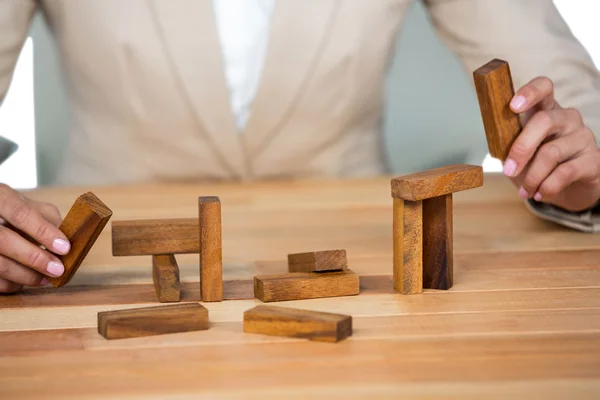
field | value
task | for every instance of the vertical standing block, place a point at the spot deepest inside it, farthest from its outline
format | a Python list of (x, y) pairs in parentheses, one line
[(437, 243), (165, 274), (211, 258), (408, 246), (494, 86), (82, 226)]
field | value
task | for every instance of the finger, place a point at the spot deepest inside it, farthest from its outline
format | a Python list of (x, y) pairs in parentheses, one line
[(546, 159), (578, 169), (9, 287), (542, 126), (11, 270), (50, 212), (537, 92), (15, 247), (25, 218)]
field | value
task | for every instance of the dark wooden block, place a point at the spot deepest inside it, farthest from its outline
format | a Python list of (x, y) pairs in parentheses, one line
[(149, 321), (318, 261), (291, 322), (437, 243), (165, 274), (82, 225), (305, 285)]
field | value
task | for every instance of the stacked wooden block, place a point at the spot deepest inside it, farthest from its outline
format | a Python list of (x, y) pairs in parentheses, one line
[(422, 225)]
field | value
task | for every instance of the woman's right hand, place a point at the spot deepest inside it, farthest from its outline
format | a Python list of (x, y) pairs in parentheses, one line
[(26, 224)]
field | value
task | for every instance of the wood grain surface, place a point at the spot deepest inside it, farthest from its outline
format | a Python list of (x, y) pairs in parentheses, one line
[(318, 261), (437, 182), (211, 252), (82, 225), (155, 236), (408, 246), (165, 274), (149, 321), (293, 322), (494, 86), (438, 257), (522, 319), (305, 285)]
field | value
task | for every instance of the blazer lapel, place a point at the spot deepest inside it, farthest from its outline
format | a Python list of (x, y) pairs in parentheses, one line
[(191, 42), (298, 30)]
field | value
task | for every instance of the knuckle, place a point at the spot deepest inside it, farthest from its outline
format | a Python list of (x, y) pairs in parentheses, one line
[(43, 231), (574, 115), (5, 238), (547, 82), (5, 266), (550, 188), (551, 152), (530, 183), (36, 258), (544, 119), (21, 214), (567, 172), (519, 149)]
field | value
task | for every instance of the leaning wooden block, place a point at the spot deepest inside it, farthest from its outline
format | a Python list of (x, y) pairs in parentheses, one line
[(318, 261), (82, 225), (494, 86), (408, 246), (155, 236), (437, 243), (211, 253), (437, 182), (305, 285), (151, 321), (290, 322), (165, 274)]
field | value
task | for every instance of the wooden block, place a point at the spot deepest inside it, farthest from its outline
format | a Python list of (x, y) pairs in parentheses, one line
[(291, 322), (155, 236), (165, 274), (149, 321), (437, 243), (408, 246), (305, 285), (318, 261), (211, 257), (437, 182), (82, 225), (494, 86)]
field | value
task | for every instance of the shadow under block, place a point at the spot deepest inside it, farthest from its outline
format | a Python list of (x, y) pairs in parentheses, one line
[(306, 285), (82, 225), (437, 182), (494, 86), (165, 274), (291, 322), (155, 236), (151, 321), (211, 253), (437, 243), (318, 261), (408, 246)]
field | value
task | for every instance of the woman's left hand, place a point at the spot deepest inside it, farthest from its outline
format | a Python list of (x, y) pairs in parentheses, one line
[(555, 159)]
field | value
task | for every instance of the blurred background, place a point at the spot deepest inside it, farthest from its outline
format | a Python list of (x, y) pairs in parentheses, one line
[(428, 81)]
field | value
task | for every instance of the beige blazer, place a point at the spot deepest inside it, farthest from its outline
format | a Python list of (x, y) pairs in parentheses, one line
[(149, 101)]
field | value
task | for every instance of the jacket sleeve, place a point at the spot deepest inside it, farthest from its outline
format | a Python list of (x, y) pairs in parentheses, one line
[(15, 18), (534, 39)]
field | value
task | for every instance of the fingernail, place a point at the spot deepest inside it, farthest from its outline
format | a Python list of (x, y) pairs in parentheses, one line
[(523, 194), (44, 282), (510, 167), (537, 196), (55, 268), (518, 102), (61, 246)]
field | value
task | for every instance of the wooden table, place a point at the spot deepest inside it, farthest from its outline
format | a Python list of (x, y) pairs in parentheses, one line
[(523, 319)]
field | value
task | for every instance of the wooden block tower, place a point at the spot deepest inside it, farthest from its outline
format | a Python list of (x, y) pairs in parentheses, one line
[(422, 224)]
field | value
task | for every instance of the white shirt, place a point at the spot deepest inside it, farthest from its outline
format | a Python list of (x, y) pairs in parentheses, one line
[(243, 27)]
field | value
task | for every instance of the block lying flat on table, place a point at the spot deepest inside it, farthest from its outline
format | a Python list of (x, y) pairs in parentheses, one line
[(494, 86), (306, 285), (408, 246), (291, 322), (149, 321), (437, 182), (437, 243), (328, 260), (165, 274), (155, 236), (211, 253), (82, 225)]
